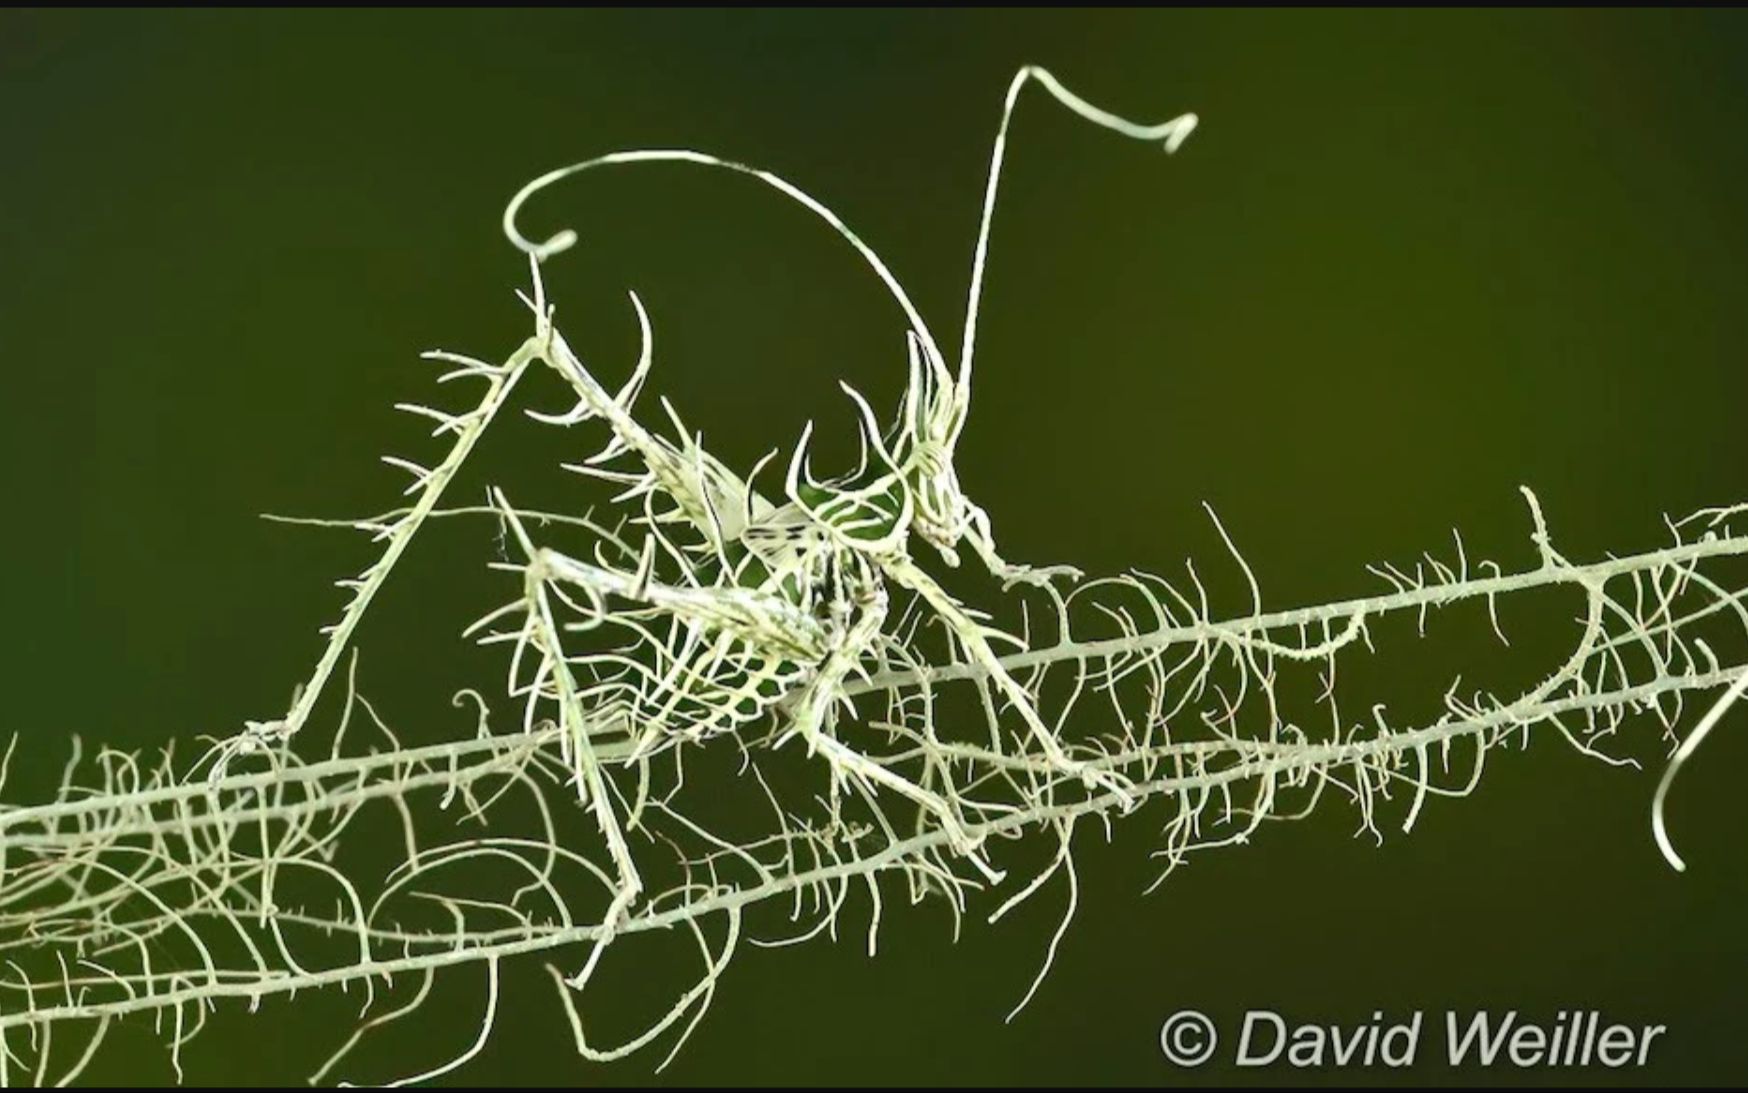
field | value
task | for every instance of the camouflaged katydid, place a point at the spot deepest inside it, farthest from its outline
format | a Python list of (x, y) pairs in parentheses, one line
[(833, 528)]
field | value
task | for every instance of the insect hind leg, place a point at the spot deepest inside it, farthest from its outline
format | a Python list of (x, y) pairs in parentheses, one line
[(543, 634)]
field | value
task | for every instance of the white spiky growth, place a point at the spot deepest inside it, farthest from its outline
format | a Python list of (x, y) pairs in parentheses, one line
[(793, 652)]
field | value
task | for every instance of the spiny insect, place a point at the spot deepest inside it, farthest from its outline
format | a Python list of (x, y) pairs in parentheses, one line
[(710, 611), (771, 607)]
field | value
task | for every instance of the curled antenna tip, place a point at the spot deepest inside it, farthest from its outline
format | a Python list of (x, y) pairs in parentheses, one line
[(558, 244), (1182, 128)]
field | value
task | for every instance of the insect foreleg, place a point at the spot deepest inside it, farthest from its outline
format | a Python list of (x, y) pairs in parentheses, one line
[(982, 540), (937, 403)]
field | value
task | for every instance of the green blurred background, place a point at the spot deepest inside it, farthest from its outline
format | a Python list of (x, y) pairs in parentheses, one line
[(1408, 262)]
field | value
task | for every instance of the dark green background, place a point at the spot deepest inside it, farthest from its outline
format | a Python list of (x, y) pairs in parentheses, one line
[(1408, 262)]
